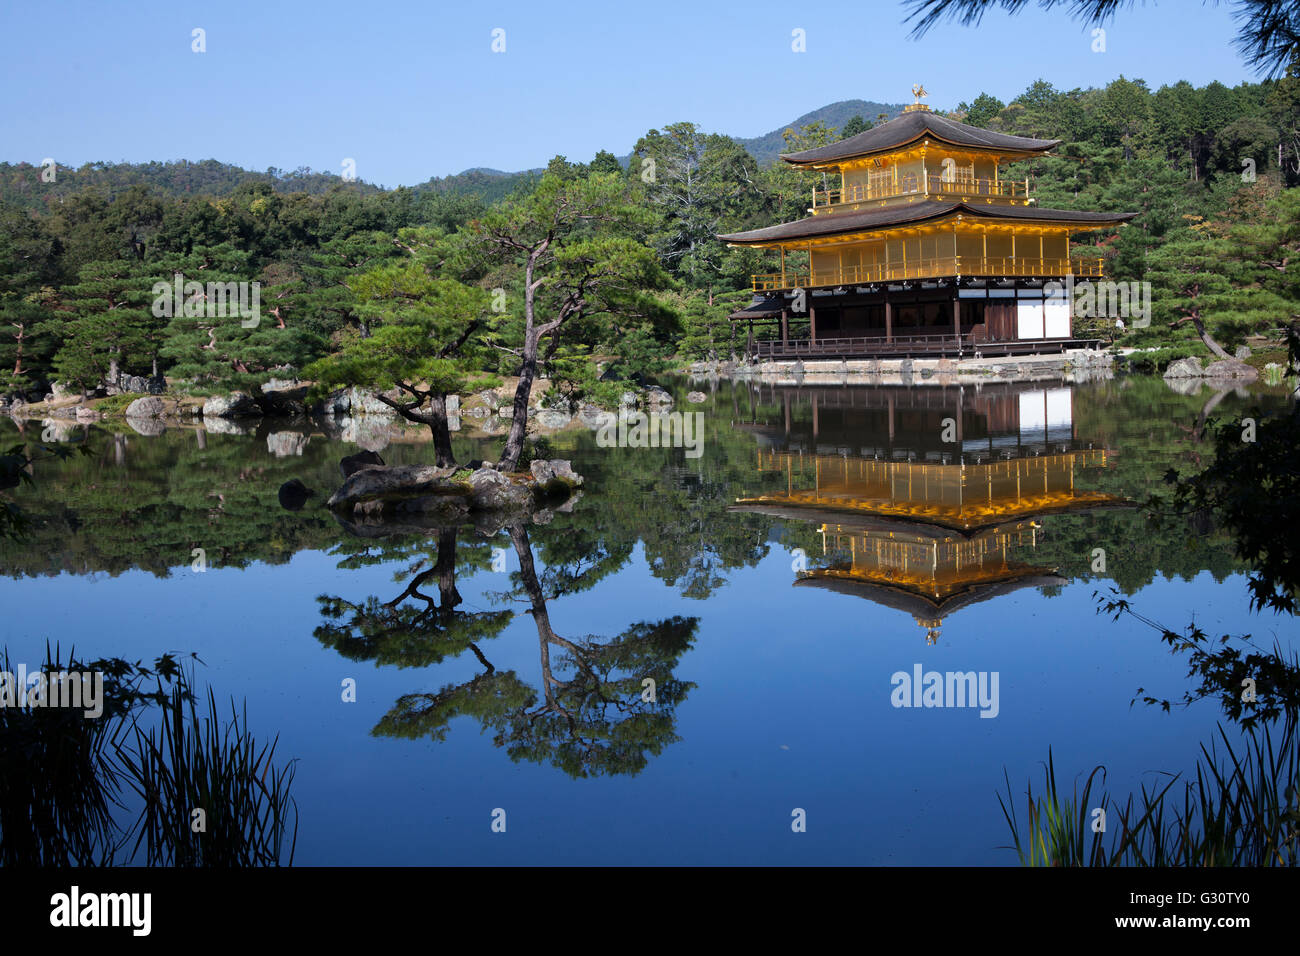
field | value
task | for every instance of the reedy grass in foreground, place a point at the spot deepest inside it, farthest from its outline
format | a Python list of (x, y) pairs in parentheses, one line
[(1241, 810), (192, 763), (65, 776)]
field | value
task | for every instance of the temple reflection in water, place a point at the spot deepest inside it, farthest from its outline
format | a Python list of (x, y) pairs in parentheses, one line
[(928, 499)]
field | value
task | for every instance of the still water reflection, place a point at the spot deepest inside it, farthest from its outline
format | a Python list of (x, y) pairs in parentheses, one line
[(665, 671)]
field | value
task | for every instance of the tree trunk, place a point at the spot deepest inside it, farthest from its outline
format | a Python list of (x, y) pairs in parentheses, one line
[(1208, 339), (440, 432), (1210, 344), (445, 568), (527, 371), (533, 588), (519, 417)]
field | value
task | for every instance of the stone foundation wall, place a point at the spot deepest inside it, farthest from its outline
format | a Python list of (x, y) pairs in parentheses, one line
[(1078, 366)]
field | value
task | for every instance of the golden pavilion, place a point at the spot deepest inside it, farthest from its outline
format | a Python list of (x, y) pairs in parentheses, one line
[(921, 246)]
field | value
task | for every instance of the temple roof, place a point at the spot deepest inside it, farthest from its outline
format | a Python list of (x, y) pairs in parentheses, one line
[(923, 606), (966, 518), (926, 210), (760, 308), (916, 125)]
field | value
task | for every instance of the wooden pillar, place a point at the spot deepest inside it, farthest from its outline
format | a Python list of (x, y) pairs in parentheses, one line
[(812, 324), (956, 315), (785, 327), (749, 345), (889, 319)]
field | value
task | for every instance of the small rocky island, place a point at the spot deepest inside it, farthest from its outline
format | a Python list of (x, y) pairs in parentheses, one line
[(373, 491)]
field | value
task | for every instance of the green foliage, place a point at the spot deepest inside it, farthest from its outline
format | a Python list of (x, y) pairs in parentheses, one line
[(573, 250), (112, 327), (854, 126), (982, 111), (1253, 488), (423, 334), (700, 184), (576, 378), (707, 332)]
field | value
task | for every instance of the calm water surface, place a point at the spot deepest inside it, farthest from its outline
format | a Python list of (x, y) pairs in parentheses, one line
[(771, 588)]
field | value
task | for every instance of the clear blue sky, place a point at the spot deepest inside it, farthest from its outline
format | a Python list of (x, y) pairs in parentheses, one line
[(412, 89)]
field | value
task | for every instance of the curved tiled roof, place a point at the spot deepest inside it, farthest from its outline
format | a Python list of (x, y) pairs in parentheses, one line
[(923, 606), (760, 308), (881, 218), (915, 125)]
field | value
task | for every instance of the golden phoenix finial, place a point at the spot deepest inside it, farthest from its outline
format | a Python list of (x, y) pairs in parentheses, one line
[(918, 91)]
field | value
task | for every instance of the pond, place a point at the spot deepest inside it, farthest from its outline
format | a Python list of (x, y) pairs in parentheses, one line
[(720, 658)]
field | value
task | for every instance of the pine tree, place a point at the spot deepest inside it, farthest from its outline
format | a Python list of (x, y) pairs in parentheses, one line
[(110, 328), (425, 345)]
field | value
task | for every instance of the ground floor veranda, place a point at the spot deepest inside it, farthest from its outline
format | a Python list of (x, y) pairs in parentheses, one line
[(939, 318)]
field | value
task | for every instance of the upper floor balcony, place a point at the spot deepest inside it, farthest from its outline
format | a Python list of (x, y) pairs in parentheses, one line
[(935, 268), (936, 185)]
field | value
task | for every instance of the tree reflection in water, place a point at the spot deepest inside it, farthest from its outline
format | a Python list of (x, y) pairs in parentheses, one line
[(603, 706)]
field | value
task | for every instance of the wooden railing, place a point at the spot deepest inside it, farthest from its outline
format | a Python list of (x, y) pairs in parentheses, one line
[(929, 184), (1000, 266), (904, 346), (795, 348)]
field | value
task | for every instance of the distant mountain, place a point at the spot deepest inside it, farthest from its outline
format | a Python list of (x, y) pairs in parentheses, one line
[(767, 147), (20, 183), (492, 184), (488, 184)]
